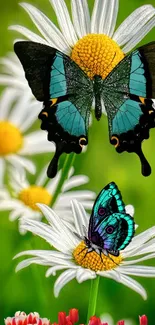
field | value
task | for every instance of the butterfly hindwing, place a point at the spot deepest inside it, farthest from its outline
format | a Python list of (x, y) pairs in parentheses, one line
[(67, 94), (110, 227), (128, 91)]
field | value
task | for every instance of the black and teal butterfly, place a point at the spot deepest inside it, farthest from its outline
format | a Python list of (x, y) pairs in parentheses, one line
[(110, 228), (67, 93)]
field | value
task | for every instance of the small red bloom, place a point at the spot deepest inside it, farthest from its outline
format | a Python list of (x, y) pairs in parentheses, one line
[(143, 320), (21, 318), (121, 322)]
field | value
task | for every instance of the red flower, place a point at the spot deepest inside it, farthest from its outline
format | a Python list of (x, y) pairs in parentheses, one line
[(21, 318)]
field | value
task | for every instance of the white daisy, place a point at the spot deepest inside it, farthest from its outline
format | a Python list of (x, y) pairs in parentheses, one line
[(93, 42), (12, 75), (26, 195), (16, 116), (71, 252)]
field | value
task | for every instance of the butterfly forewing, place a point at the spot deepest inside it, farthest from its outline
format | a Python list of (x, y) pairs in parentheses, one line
[(107, 202)]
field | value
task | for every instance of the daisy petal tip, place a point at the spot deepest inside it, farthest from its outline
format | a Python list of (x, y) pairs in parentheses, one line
[(130, 210)]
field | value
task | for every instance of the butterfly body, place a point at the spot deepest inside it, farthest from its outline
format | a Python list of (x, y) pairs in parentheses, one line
[(67, 94), (110, 228)]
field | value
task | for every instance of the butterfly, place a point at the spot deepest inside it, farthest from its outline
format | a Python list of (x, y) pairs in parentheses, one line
[(67, 94), (110, 228)]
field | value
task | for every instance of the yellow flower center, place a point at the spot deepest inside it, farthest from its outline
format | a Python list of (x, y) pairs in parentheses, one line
[(97, 54), (11, 139), (93, 261), (35, 194)]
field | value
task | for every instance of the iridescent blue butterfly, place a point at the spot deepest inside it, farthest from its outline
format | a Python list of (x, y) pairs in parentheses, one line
[(110, 228), (67, 93)]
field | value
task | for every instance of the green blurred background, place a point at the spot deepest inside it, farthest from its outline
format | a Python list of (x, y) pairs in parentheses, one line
[(29, 290)]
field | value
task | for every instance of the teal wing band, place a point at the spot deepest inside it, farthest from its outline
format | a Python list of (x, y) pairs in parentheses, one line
[(58, 85), (70, 119), (130, 230), (127, 117), (137, 83)]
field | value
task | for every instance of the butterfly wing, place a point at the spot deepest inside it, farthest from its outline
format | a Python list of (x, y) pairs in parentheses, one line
[(108, 201), (127, 92), (115, 232), (66, 92)]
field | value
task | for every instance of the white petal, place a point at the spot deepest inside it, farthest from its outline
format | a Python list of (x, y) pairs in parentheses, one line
[(15, 214), (139, 35), (77, 195), (138, 240), (52, 270), (10, 204), (4, 194), (2, 172), (52, 184), (134, 285), (32, 116), (65, 235), (50, 32), (7, 98), (130, 209), (28, 34), (42, 177), (36, 143), (12, 66), (22, 161), (84, 274), (74, 182), (64, 20), (13, 83), (46, 232), (28, 262), (62, 280), (132, 24), (144, 258), (51, 256), (104, 16), (81, 17), (138, 270), (19, 111), (80, 218)]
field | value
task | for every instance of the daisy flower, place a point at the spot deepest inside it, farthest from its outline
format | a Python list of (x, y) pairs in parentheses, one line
[(73, 257), (26, 195), (12, 75), (93, 42), (16, 116)]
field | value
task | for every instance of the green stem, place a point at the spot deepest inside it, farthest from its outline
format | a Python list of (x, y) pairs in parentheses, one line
[(93, 298), (65, 170)]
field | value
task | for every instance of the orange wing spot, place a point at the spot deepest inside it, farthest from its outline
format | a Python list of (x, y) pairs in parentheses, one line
[(116, 141), (54, 100), (151, 111), (142, 99), (82, 141), (45, 113)]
